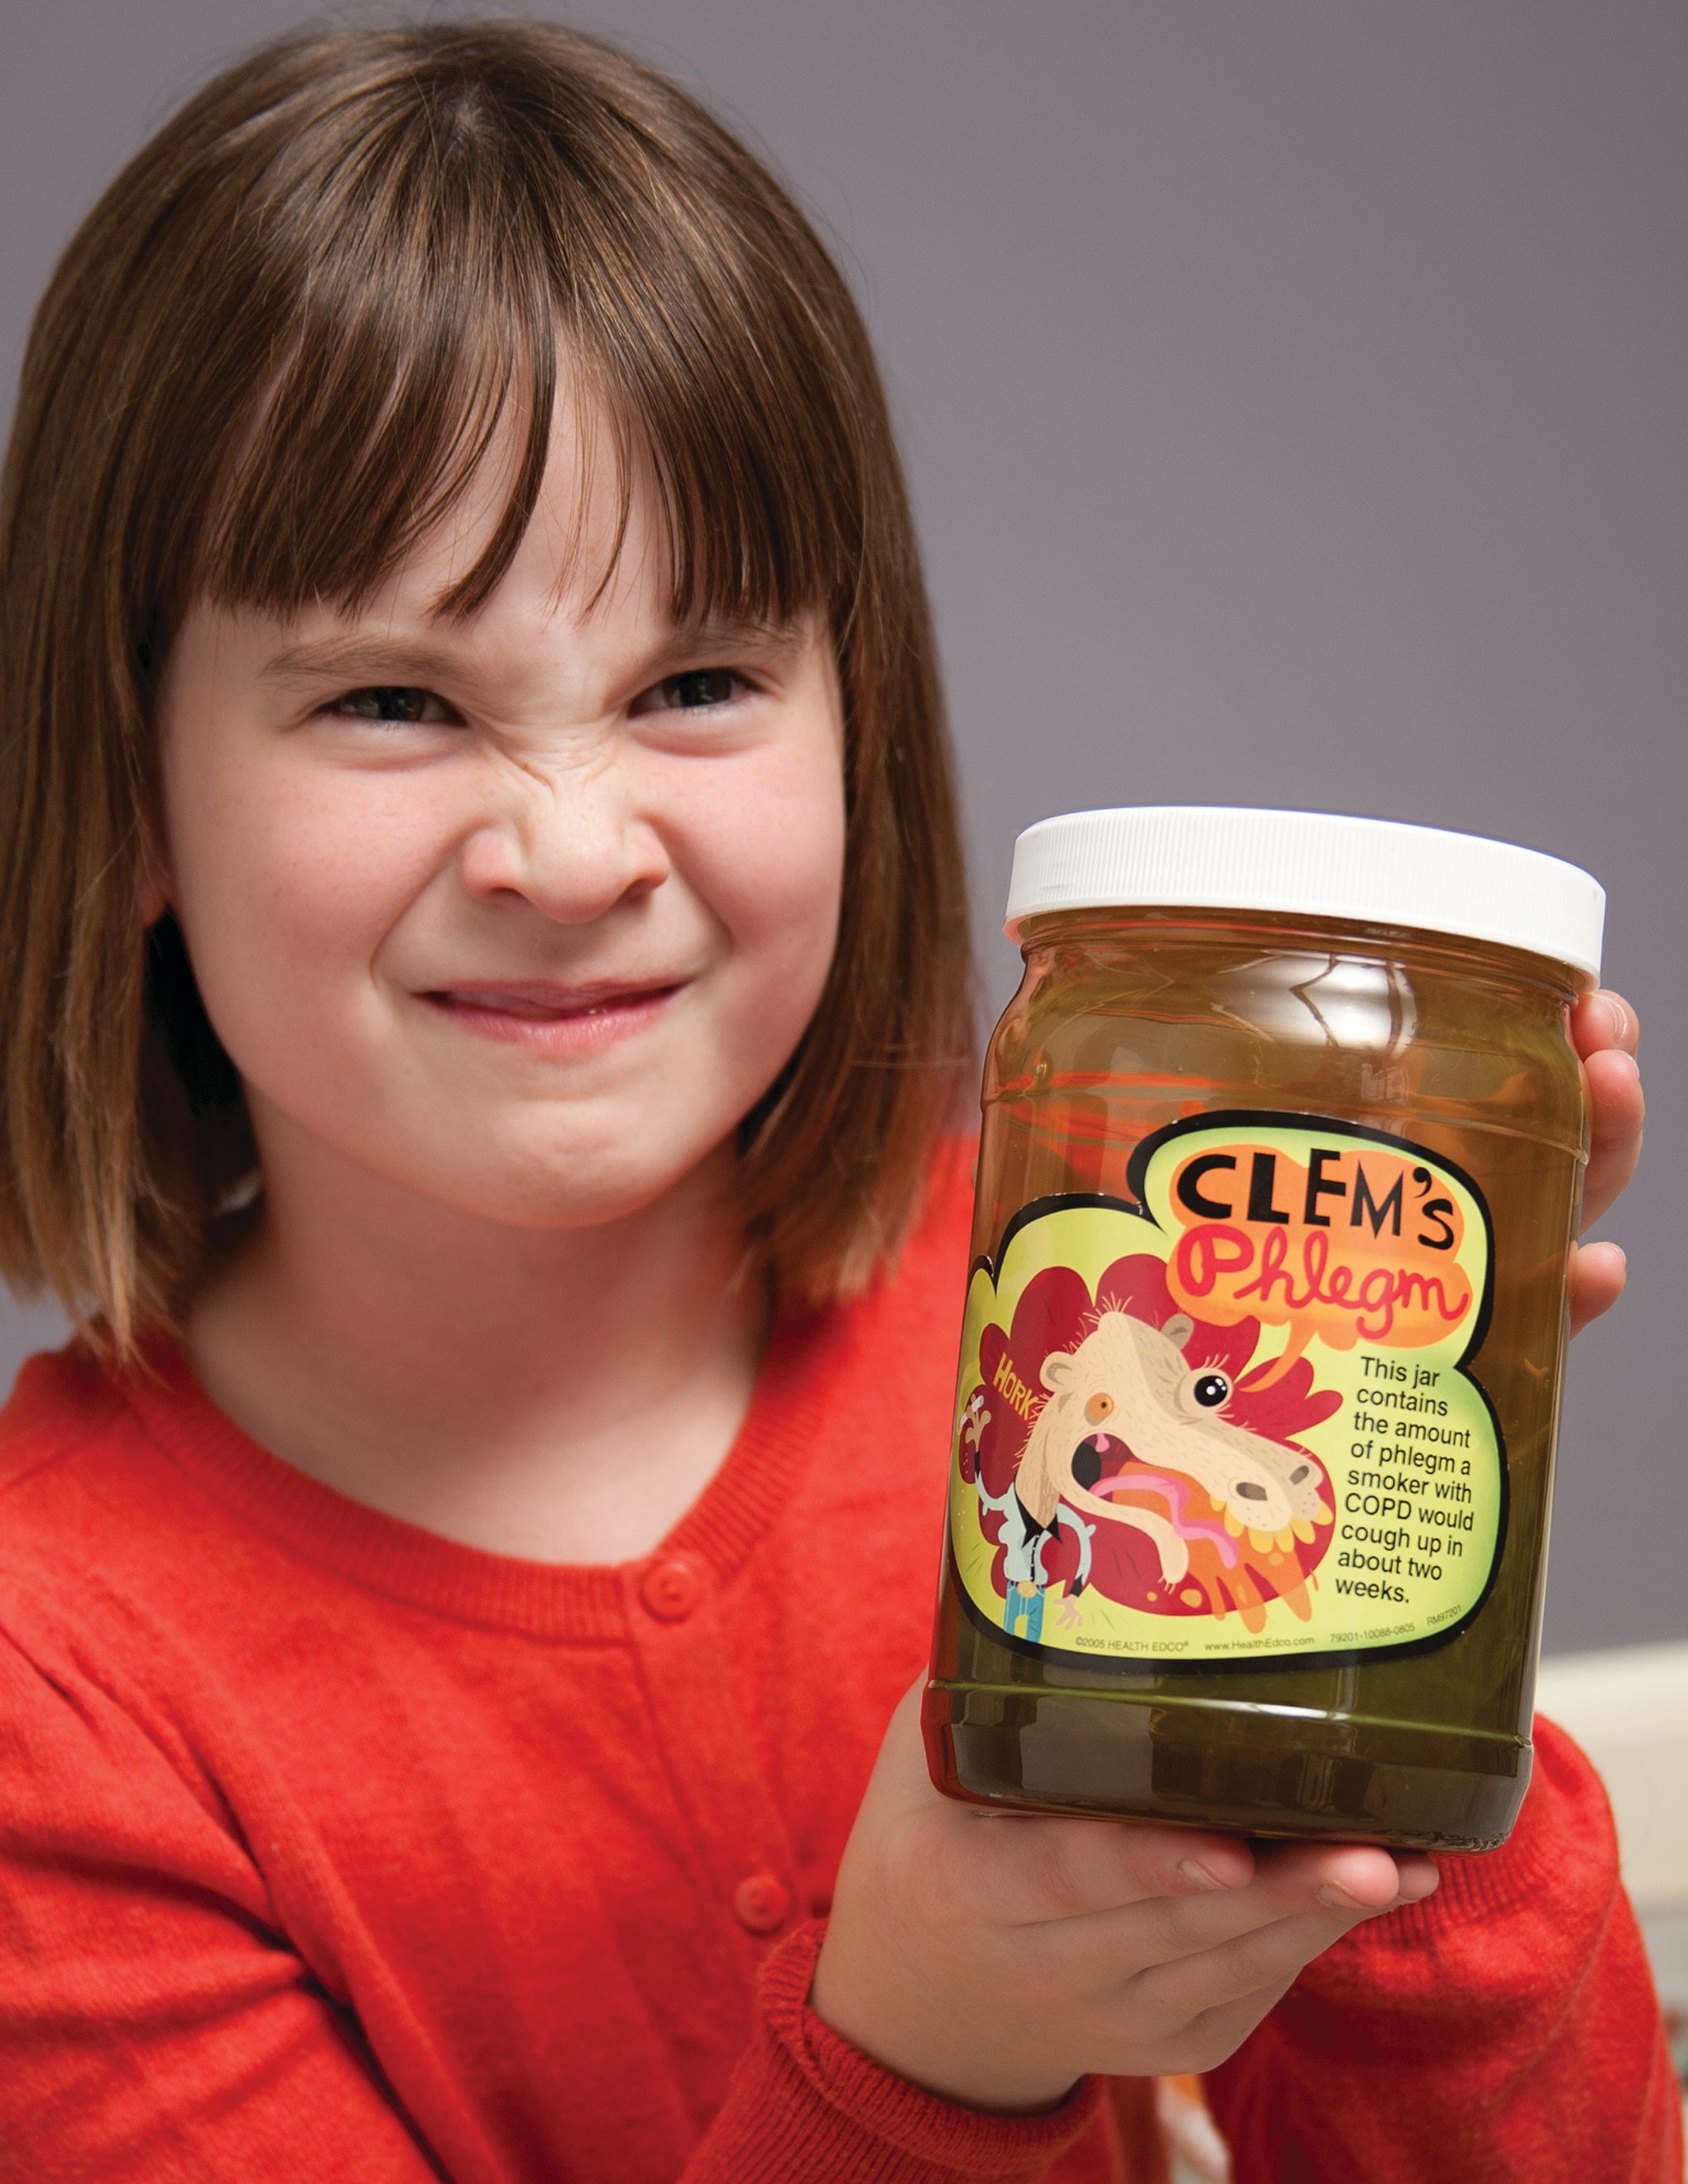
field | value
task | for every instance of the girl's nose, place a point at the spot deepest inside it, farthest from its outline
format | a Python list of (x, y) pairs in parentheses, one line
[(569, 843)]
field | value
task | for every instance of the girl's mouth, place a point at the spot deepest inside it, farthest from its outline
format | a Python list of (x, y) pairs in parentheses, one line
[(552, 1017)]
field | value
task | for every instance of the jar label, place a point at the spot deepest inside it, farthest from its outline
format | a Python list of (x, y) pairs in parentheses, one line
[(1235, 1418)]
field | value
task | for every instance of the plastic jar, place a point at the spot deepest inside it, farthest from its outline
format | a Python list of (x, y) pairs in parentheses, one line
[(1282, 1156)]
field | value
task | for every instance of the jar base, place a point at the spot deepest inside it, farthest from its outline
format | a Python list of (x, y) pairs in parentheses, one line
[(1246, 1769)]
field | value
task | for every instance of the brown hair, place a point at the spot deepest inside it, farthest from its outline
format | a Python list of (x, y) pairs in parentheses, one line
[(270, 359)]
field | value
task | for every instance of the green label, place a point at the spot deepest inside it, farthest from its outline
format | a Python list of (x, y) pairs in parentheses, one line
[(1233, 1419)]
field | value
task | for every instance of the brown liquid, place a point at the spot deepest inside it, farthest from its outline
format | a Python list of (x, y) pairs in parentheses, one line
[(1130, 1020)]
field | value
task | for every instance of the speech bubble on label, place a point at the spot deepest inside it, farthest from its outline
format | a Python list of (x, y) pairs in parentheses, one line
[(1317, 1232)]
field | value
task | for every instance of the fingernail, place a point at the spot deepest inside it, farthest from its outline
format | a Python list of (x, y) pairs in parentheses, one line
[(1198, 1876), (1339, 1899), (1618, 1014)]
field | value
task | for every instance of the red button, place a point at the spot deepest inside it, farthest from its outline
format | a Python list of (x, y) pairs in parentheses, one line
[(762, 1903), (672, 1589)]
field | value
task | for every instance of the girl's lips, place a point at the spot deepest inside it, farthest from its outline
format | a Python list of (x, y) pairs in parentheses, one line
[(554, 1018)]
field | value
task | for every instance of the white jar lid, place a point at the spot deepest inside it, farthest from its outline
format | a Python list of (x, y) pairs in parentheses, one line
[(1314, 863)]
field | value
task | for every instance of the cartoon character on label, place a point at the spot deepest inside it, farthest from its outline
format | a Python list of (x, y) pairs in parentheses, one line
[(1024, 1537), (1120, 1443)]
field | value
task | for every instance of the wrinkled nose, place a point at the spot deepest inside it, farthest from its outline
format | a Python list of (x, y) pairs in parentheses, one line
[(568, 842), (1246, 1489)]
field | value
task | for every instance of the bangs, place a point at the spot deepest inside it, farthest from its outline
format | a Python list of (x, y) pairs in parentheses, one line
[(450, 247)]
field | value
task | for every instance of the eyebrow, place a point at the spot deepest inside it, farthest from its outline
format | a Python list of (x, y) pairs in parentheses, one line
[(366, 658), (373, 659)]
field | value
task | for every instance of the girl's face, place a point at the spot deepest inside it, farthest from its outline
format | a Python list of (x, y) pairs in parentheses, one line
[(523, 911)]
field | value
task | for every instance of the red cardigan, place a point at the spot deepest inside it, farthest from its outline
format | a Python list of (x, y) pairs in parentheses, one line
[(331, 1848)]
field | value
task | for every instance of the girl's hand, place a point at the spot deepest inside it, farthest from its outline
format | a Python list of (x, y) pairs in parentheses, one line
[(994, 1958), (1604, 1031)]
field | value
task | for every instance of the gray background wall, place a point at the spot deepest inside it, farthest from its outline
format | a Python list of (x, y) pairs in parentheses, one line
[(1293, 394)]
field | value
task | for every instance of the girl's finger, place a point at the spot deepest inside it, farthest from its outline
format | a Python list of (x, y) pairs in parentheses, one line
[(1597, 1278), (1343, 1876), (1604, 1019), (1042, 1871), (1346, 1883), (1617, 1114), (1111, 1947), (1206, 2040), (1270, 1956)]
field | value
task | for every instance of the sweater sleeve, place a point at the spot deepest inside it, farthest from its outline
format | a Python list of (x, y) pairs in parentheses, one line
[(158, 2020), (1507, 2027), (154, 2020), (806, 2108)]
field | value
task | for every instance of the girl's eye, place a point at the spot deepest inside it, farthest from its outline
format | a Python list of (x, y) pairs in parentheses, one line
[(698, 687), (396, 705)]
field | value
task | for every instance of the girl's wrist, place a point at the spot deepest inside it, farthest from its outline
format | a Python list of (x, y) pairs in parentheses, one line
[(860, 2008)]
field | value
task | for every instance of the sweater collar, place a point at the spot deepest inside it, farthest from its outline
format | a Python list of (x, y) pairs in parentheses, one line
[(385, 1554)]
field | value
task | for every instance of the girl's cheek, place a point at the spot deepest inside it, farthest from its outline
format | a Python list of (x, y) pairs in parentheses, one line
[(289, 893), (343, 876), (780, 855)]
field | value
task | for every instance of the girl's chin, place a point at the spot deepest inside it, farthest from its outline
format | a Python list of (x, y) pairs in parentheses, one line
[(540, 1182)]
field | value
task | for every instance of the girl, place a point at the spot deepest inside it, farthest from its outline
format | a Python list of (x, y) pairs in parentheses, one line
[(485, 989)]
